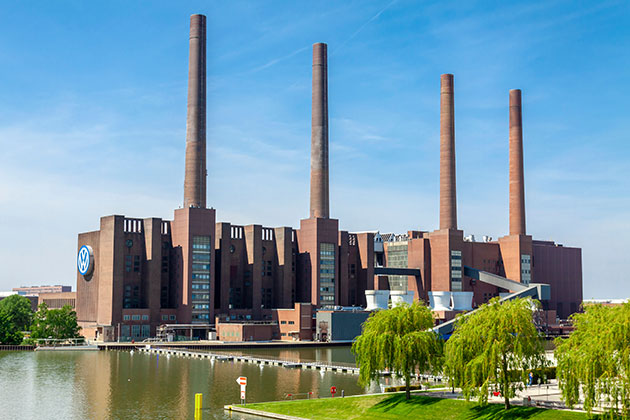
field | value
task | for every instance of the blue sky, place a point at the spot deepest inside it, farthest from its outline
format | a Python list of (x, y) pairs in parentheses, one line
[(93, 111)]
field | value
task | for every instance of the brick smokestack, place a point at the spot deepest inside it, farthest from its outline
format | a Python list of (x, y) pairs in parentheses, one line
[(319, 133), (448, 196), (517, 178), (195, 177)]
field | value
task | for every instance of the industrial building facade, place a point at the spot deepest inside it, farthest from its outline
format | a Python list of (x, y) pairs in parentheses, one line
[(137, 274)]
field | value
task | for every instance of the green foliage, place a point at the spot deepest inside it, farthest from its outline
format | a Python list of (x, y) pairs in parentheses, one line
[(398, 340), (9, 333), (55, 323), (496, 346), (596, 358), (18, 309)]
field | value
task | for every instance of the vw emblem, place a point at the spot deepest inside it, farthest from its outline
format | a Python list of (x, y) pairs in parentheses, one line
[(85, 262)]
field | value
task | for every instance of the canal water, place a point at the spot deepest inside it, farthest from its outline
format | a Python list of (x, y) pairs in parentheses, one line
[(124, 385)]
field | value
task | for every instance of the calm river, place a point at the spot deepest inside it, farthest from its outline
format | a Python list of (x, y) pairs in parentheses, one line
[(121, 385)]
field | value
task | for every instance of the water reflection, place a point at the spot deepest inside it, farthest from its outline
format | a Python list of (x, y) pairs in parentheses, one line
[(120, 385)]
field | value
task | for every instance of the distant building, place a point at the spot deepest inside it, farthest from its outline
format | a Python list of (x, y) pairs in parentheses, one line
[(606, 302), (339, 325), (36, 290), (58, 300), (295, 324), (137, 274)]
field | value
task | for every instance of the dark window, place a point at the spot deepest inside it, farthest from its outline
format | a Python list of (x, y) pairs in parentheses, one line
[(128, 263)]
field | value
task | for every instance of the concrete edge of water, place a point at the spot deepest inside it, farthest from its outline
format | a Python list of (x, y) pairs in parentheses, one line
[(261, 413)]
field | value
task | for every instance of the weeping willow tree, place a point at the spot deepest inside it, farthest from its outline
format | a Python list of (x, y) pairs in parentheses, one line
[(596, 359), (494, 348), (399, 340)]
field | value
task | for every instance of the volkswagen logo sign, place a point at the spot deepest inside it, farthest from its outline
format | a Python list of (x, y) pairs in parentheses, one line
[(85, 262)]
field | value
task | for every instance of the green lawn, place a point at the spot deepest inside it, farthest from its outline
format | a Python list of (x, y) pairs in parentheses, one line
[(395, 407)]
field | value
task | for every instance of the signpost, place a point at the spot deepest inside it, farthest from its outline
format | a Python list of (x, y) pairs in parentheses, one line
[(242, 381), (333, 390)]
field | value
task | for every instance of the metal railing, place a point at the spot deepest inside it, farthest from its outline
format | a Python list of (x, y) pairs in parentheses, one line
[(66, 342)]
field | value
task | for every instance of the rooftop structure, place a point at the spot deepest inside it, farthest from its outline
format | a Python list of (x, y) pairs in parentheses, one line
[(36, 290)]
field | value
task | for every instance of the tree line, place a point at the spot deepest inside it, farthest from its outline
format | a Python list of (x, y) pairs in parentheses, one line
[(20, 325), (498, 348)]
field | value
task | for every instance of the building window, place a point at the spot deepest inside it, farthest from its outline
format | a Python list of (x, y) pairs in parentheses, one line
[(128, 263), (201, 254), (172, 317), (135, 330), (146, 330), (125, 317), (397, 257), (327, 273), (283, 322), (164, 317), (526, 273), (136, 263), (145, 317), (135, 317), (456, 271)]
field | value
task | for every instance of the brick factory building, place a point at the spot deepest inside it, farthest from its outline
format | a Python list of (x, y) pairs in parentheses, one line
[(136, 274)]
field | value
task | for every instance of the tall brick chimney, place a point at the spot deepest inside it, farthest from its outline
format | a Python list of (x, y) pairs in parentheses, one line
[(195, 176), (448, 195), (319, 134), (517, 178)]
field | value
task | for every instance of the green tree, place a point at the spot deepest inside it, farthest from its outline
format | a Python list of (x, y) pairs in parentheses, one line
[(496, 345), (9, 332), (55, 323), (18, 309), (399, 340), (596, 358)]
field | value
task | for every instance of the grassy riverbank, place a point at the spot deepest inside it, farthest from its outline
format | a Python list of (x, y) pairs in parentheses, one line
[(395, 407)]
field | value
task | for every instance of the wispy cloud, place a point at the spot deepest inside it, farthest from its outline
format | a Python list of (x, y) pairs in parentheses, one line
[(362, 27), (275, 61)]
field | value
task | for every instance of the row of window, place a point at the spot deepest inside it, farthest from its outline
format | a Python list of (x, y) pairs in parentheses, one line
[(289, 322), (135, 317), (197, 286), (135, 331)]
